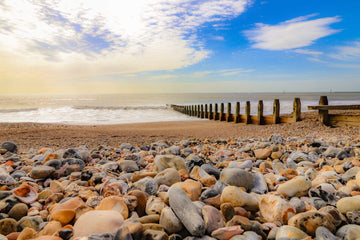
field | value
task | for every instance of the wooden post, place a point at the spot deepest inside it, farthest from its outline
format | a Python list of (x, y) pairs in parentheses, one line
[(261, 112), (324, 114), (202, 111), (197, 110), (216, 114), (193, 110), (229, 116), (222, 114), (237, 113), (297, 110), (247, 113), (206, 112), (276, 111), (211, 115)]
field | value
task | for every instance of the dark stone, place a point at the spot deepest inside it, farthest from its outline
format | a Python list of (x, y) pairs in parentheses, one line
[(102, 236), (73, 161), (193, 160), (65, 233), (72, 153), (9, 146), (211, 170), (322, 233), (209, 193), (55, 163), (123, 233), (219, 186)]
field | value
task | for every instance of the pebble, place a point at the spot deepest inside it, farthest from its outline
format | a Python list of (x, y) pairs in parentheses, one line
[(186, 211), (246, 189)]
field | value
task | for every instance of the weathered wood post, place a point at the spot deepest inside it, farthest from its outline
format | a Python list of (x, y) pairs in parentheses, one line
[(261, 113), (187, 110), (222, 114), (211, 115), (324, 114), (216, 114), (247, 113), (276, 111), (193, 110), (206, 111), (202, 111), (297, 110), (198, 112), (237, 113), (229, 117)]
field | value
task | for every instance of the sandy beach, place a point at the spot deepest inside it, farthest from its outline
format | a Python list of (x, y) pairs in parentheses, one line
[(28, 135)]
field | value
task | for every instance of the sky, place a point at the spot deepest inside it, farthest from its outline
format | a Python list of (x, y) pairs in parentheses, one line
[(162, 46)]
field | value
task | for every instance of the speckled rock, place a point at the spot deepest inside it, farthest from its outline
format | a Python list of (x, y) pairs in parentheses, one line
[(169, 161), (298, 186), (275, 209), (18, 211), (310, 221), (8, 225), (347, 204), (237, 177)]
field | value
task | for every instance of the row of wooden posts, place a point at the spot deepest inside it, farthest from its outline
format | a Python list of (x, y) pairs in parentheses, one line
[(207, 111)]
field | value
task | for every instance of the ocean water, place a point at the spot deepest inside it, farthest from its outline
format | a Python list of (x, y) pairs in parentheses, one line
[(135, 108)]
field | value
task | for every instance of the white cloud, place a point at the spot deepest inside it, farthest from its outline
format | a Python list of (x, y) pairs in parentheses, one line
[(350, 52), (218, 38), (90, 37), (308, 52), (295, 33)]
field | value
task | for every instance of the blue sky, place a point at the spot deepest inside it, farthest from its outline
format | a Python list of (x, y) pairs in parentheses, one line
[(111, 46)]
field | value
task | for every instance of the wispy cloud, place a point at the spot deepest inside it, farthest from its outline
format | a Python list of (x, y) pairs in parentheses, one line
[(218, 38), (295, 33), (223, 72), (349, 52), (107, 37), (308, 52)]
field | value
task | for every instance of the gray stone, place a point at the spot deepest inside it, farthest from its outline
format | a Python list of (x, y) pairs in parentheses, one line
[(353, 217), (102, 236), (161, 162), (18, 211), (290, 233), (260, 185), (211, 170), (316, 202), (193, 160), (147, 185), (72, 153), (213, 218), (128, 166), (248, 235), (126, 146), (168, 177), (219, 186), (298, 156), (348, 232), (331, 152), (322, 233), (276, 139), (298, 204), (237, 177), (350, 174), (6, 179), (9, 146), (186, 211), (169, 221), (30, 221)]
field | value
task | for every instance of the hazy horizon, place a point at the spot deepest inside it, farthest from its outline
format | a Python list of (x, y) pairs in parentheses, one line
[(157, 46)]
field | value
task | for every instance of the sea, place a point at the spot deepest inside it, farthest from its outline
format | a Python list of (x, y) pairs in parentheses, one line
[(140, 108)]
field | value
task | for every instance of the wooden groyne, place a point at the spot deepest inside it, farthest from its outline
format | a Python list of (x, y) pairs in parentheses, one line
[(336, 119), (212, 112)]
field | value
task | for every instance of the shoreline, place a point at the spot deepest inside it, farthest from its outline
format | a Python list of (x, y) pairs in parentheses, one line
[(28, 135)]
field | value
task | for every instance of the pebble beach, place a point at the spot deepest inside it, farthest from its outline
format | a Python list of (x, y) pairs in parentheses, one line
[(180, 180)]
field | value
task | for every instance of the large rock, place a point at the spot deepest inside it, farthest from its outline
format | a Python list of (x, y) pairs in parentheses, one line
[(97, 222), (238, 198), (298, 186), (275, 209), (192, 188), (349, 232), (169, 161), (114, 203), (290, 233), (237, 177), (213, 218), (9, 146), (186, 211), (8, 225), (40, 172), (310, 221)]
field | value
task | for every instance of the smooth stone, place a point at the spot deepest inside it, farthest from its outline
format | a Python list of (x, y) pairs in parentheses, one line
[(123, 233), (237, 177), (219, 186), (290, 233), (51, 228), (6, 179), (238, 198), (114, 203), (209, 193), (348, 204), (152, 218), (199, 174), (161, 162), (26, 233), (150, 234), (199, 238), (322, 233), (248, 235), (350, 174), (275, 209), (7, 226), (193, 160), (154, 205), (40, 172), (148, 185), (169, 221), (30, 221), (310, 221), (57, 187), (353, 217), (168, 177), (227, 210), (9, 146), (260, 186), (2, 237), (349, 232), (298, 156), (316, 202), (192, 188), (334, 215), (65, 211), (128, 166), (213, 218), (98, 222), (226, 233), (298, 186), (298, 204), (262, 153), (210, 169), (186, 211), (18, 211), (173, 150), (134, 227)]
